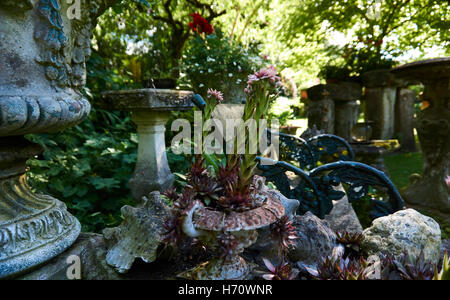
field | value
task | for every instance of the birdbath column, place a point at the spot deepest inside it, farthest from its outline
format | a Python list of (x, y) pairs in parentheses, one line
[(150, 111), (433, 128)]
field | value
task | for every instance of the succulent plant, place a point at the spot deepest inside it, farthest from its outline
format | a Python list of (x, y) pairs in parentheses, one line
[(283, 271), (407, 267), (445, 272), (171, 194), (341, 269), (351, 242), (284, 232)]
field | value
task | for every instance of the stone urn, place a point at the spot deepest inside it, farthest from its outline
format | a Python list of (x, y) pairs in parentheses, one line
[(209, 225), (44, 45)]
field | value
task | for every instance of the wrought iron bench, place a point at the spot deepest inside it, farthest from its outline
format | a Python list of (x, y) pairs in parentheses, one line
[(325, 162)]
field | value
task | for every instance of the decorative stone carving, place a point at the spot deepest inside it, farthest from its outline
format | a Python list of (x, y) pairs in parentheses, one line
[(433, 128), (42, 69), (140, 234), (151, 111), (33, 227)]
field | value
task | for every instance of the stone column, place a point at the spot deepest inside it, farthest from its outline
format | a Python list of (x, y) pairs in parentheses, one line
[(320, 109), (152, 171), (433, 128), (150, 111), (380, 97), (404, 119)]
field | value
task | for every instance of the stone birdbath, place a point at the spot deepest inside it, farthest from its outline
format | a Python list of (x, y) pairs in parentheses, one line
[(433, 128), (150, 111)]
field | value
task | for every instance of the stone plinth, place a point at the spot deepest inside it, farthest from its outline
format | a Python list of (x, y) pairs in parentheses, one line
[(150, 111), (380, 97), (433, 128), (346, 116), (404, 119), (42, 73), (333, 107)]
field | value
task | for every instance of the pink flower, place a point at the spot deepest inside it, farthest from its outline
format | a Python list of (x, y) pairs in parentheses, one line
[(215, 94), (265, 73), (447, 180)]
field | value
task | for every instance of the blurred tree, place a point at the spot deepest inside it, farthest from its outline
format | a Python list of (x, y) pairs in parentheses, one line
[(377, 30)]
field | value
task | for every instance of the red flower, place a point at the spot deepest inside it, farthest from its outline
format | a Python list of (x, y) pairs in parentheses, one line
[(200, 24)]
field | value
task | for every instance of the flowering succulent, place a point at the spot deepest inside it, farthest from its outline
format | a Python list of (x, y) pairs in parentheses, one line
[(200, 24), (282, 271), (261, 89), (217, 95), (284, 232)]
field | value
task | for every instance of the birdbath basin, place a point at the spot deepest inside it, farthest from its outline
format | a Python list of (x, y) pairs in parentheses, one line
[(433, 128), (150, 111)]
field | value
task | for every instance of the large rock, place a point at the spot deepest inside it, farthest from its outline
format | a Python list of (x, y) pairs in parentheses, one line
[(343, 218), (406, 230), (316, 240)]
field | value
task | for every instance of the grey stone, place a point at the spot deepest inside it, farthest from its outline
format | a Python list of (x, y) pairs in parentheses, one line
[(343, 218), (343, 91), (346, 116), (316, 240), (406, 230), (91, 251), (380, 108), (404, 119), (381, 78), (321, 115)]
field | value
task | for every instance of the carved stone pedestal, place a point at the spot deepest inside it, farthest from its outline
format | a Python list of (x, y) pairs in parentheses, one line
[(151, 111), (43, 56), (33, 227), (433, 128)]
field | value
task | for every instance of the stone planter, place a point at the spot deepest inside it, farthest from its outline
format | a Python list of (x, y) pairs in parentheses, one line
[(206, 224), (42, 59)]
